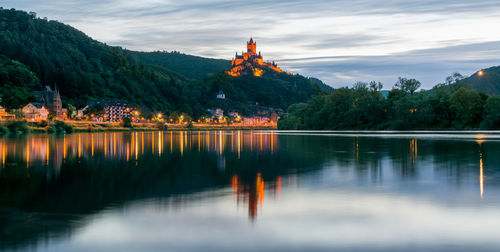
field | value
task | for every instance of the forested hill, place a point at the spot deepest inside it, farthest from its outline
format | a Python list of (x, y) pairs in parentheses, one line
[(488, 82), (46, 52), (188, 65), (85, 69)]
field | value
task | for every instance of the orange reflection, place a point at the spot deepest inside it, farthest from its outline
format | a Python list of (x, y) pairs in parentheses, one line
[(252, 193)]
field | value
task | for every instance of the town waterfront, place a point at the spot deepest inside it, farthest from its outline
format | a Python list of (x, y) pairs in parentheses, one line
[(250, 191)]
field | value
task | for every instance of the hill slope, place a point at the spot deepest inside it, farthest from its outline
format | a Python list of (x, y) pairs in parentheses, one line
[(87, 69), (488, 83), (188, 65)]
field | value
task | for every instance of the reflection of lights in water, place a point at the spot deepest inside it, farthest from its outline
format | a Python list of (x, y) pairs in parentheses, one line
[(142, 143), (199, 143), (79, 146), (413, 150), (47, 151), (152, 143), (159, 144), (114, 144), (181, 139), (92, 145), (136, 147), (105, 145), (28, 154), (239, 144), (480, 138), (4, 147), (481, 176), (128, 152), (171, 141), (261, 141), (220, 143)]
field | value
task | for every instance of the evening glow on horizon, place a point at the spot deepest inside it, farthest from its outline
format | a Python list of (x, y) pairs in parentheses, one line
[(339, 42)]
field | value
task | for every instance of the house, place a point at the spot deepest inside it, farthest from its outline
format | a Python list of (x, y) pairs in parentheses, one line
[(4, 115), (221, 95), (114, 109), (35, 111), (51, 99)]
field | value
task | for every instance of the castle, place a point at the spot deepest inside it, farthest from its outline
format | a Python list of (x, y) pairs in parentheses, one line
[(251, 60)]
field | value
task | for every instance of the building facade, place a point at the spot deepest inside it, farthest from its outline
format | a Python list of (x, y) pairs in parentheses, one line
[(51, 99), (35, 111)]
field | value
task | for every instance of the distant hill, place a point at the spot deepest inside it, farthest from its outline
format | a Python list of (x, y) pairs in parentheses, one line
[(188, 65), (488, 82)]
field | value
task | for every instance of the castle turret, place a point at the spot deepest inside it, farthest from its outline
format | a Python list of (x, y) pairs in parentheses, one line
[(251, 47)]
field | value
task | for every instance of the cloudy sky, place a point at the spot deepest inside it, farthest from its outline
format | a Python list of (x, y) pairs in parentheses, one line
[(339, 41)]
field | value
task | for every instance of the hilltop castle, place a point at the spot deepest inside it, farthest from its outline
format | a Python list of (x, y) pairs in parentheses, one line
[(251, 60)]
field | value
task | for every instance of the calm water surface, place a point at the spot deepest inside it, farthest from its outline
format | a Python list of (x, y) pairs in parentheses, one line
[(250, 191)]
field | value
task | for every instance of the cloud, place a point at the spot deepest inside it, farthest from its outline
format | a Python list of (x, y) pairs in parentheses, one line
[(349, 39)]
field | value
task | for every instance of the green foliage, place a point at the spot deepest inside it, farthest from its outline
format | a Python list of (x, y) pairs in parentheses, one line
[(468, 106), (19, 114), (61, 127), (161, 126), (16, 83), (43, 123), (492, 113), (364, 107), (3, 130), (277, 90), (188, 65), (18, 127), (407, 85), (126, 122)]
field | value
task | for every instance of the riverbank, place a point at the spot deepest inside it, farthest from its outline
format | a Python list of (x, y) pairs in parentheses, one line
[(69, 127)]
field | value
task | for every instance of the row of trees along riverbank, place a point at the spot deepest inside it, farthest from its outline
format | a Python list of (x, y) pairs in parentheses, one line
[(452, 105)]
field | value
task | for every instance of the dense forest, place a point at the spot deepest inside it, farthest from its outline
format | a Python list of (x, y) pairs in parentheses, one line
[(188, 65), (38, 52), (453, 104)]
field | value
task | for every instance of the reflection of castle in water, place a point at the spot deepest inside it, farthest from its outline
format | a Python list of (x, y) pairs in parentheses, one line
[(253, 193)]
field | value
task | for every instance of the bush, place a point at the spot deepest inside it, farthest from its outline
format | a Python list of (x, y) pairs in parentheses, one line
[(3, 130), (62, 127), (18, 127), (161, 126), (43, 123), (126, 122)]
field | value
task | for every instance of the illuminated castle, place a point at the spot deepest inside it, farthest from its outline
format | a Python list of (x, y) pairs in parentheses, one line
[(251, 60)]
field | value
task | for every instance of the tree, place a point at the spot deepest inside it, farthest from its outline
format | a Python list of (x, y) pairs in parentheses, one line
[(454, 78), (468, 106), (375, 86), (126, 122), (492, 113), (407, 85)]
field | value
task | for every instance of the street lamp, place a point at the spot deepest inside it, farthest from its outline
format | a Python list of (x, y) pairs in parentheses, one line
[(480, 73)]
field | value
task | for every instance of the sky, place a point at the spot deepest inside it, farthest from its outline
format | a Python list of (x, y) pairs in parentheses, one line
[(339, 42)]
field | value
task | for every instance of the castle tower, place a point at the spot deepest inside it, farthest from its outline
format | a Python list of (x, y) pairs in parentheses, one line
[(251, 47), (56, 102)]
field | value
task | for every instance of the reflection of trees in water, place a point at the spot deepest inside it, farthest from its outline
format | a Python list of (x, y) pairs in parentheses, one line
[(49, 185)]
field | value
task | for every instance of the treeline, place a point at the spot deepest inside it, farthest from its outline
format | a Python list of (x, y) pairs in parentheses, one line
[(452, 105)]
